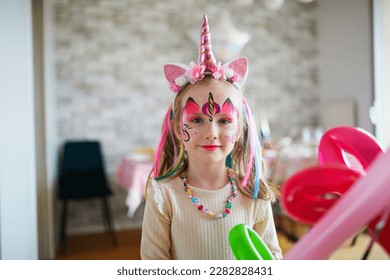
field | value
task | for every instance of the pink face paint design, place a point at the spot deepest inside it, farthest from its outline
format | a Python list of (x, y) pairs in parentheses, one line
[(195, 132), (192, 118), (231, 137), (189, 109), (186, 135), (228, 108), (211, 108)]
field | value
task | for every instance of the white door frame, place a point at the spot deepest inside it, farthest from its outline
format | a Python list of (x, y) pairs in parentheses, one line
[(380, 112)]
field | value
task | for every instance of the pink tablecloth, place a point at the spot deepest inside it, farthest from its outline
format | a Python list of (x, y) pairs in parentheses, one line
[(132, 175), (280, 165)]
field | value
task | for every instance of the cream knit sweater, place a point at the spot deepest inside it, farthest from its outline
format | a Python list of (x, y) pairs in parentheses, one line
[(173, 228)]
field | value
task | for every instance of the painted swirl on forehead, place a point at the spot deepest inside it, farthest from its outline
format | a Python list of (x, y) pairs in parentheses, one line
[(211, 108)]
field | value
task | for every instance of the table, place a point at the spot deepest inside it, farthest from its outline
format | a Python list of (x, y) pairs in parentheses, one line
[(281, 164), (132, 175)]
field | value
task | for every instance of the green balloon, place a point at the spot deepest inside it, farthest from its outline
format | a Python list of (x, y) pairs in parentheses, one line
[(246, 244)]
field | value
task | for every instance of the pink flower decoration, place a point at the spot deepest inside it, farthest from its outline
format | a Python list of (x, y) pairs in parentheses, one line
[(234, 78), (175, 88), (219, 72), (196, 72)]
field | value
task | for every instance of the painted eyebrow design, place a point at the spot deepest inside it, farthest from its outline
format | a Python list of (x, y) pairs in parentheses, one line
[(228, 107), (191, 106), (210, 108)]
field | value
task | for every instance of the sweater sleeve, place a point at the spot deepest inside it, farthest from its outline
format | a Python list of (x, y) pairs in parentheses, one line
[(265, 227), (155, 241)]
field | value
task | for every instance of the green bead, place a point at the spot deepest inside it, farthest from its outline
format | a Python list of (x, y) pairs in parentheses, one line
[(228, 205)]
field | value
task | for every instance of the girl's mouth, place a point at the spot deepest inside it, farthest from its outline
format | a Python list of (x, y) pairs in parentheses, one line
[(210, 147)]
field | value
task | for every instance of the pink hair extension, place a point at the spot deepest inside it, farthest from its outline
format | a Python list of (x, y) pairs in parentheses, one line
[(165, 129)]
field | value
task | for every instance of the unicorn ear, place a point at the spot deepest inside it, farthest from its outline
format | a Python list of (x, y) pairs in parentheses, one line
[(173, 71), (240, 67)]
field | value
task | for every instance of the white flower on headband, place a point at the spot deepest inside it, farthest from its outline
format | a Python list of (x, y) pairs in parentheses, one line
[(229, 72), (181, 81), (219, 73), (231, 75)]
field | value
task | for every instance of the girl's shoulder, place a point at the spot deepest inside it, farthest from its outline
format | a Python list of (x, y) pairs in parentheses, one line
[(167, 184), (165, 193), (261, 205)]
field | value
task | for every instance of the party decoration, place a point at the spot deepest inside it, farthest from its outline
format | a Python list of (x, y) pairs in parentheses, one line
[(307, 195), (365, 200), (337, 142), (345, 155), (246, 244), (334, 147), (228, 40)]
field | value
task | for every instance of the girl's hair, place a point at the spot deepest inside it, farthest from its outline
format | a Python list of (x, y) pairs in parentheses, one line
[(171, 161)]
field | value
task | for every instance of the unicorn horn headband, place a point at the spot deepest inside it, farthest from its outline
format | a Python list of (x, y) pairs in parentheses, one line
[(206, 56), (234, 71)]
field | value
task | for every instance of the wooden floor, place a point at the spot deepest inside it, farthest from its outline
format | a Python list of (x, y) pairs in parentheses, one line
[(98, 247)]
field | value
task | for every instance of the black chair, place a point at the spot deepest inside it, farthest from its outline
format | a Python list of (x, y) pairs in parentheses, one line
[(82, 176)]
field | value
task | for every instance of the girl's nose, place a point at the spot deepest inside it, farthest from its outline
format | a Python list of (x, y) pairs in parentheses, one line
[(212, 131)]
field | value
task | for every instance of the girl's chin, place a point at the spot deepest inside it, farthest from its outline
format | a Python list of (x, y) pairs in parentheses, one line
[(207, 160)]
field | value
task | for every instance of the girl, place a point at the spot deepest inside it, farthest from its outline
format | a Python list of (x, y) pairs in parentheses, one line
[(206, 176)]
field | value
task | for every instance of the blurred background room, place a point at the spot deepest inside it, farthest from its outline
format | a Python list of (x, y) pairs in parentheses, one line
[(91, 70)]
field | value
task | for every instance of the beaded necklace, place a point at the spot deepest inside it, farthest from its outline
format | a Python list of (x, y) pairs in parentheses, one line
[(204, 209)]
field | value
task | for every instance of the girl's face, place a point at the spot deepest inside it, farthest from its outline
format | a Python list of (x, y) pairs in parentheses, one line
[(209, 121)]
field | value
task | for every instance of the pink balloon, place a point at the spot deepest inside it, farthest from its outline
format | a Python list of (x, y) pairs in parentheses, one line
[(364, 201), (308, 194), (337, 142), (335, 147)]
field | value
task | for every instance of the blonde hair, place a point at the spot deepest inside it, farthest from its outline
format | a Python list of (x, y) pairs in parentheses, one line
[(169, 158)]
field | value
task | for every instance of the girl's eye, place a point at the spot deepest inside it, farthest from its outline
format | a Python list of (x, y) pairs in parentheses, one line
[(197, 120), (224, 121)]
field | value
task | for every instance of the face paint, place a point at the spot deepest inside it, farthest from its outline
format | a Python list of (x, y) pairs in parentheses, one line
[(210, 117), (231, 137), (191, 106), (190, 110), (228, 108), (194, 120), (210, 108)]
